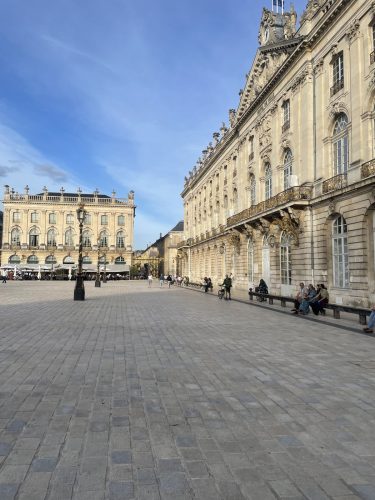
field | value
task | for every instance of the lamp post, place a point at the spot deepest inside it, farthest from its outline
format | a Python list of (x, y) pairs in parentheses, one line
[(79, 290), (97, 279)]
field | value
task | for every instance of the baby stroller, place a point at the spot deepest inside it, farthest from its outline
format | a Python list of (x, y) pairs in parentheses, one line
[(221, 292)]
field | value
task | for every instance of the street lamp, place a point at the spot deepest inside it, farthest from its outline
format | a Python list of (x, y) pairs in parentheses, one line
[(97, 279), (79, 290)]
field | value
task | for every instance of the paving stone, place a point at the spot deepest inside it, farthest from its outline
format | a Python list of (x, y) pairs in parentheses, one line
[(121, 457), (121, 490), (8, 491)]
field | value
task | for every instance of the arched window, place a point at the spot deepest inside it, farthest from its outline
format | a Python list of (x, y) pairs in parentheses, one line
[(287, 168), (15, 237), (69, 239), (32, 259), (86, 260), (51, 259), (68, 260), (285, 259), (14, 259), (34, 237), (120, 239), (340, 253), (253, 196), (103, 239), (51, 238), (120, 260), (70, 219), (340, 141), (268, 181), (86, 238), (103, 260)]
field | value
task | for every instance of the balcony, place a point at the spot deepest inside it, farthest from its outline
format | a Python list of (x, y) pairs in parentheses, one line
[(337, 182), (293, 195), (368, 169), (372, 57), (337, 86), (285, 127)]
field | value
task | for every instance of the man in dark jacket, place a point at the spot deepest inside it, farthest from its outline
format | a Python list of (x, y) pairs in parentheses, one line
[(227, 284)]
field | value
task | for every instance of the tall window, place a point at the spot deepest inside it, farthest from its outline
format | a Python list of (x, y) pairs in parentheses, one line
[(52, 218), (340, 144), (15, 237), (70, 219), (372, 55), (251, 147), (69, 239), (285, 260), (337, 73), (250, 260), (121, 220), (120, 239), (104, 220), (51, 238), (103, 239), (286, 115), (86, 239), (34, 237), (16, 217), (340, 253), (235, 201), (268, 181), (87, 219), (287, 168), (34, 217), (253, 187)]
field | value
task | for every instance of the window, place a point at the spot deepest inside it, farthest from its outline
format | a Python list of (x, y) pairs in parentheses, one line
[(86, 239), (103, 260), (104, 220), (286, 115), (285, 260), (287, 168), (87, 219), (70, 219), (86, 260), (69, 239), (121, 220), (337, 73), (68, 260), (120, 239), (34, 237), (340, 253), (16, 217), (34, 217), (14, 259), (120, 260), (32, 259), (15, 237), (235, 201), (51, 259), (51, 238), (253, 186), (251, 148), (250, 261), (52, 218), (268, 181), (372, 55), (340, 144), (103, 239)]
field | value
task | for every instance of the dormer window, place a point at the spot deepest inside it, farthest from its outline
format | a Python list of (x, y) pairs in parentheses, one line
[(337, 73)]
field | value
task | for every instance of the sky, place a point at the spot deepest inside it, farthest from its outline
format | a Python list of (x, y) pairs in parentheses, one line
[(120, 94)]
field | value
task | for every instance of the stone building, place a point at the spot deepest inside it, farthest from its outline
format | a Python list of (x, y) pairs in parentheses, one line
[(286, 192), (162, 256), (43, 230)]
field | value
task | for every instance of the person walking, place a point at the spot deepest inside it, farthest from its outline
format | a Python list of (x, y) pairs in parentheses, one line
[(149, 279), (227, 284), (4, 277), (161, 280), (371, 322), (169, 279)]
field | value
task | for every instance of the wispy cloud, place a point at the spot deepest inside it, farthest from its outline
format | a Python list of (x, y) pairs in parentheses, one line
[(4, 171), (53, 173)]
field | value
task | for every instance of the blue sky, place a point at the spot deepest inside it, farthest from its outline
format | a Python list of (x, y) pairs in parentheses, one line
[(120, 94)]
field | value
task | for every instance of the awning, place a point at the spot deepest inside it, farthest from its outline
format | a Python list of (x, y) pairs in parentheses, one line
[(116, 268)]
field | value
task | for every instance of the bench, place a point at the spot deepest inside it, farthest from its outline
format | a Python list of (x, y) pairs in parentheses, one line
[(336, 308)]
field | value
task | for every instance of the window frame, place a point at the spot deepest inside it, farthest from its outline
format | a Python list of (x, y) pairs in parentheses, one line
[(340, 253), (285, 259), (267, 181)]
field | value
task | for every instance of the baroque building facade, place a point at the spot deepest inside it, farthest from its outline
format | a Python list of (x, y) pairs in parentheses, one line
[(286, 192), (43, 230)]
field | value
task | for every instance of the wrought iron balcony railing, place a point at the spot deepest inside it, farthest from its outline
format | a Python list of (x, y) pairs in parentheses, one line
[(337, 182), (337, 86), (368, 169), (293, 194)]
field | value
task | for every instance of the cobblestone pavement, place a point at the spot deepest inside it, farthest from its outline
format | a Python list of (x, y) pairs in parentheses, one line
[(141, 393)]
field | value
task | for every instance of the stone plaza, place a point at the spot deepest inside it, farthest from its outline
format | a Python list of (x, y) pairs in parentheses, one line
[(149, 393)]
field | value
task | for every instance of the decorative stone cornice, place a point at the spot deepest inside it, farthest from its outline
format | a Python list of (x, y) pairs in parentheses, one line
[(353, 30), (318, 67)]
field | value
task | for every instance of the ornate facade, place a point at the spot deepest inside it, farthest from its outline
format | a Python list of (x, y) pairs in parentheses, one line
[(43, 229), (286, 192)]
